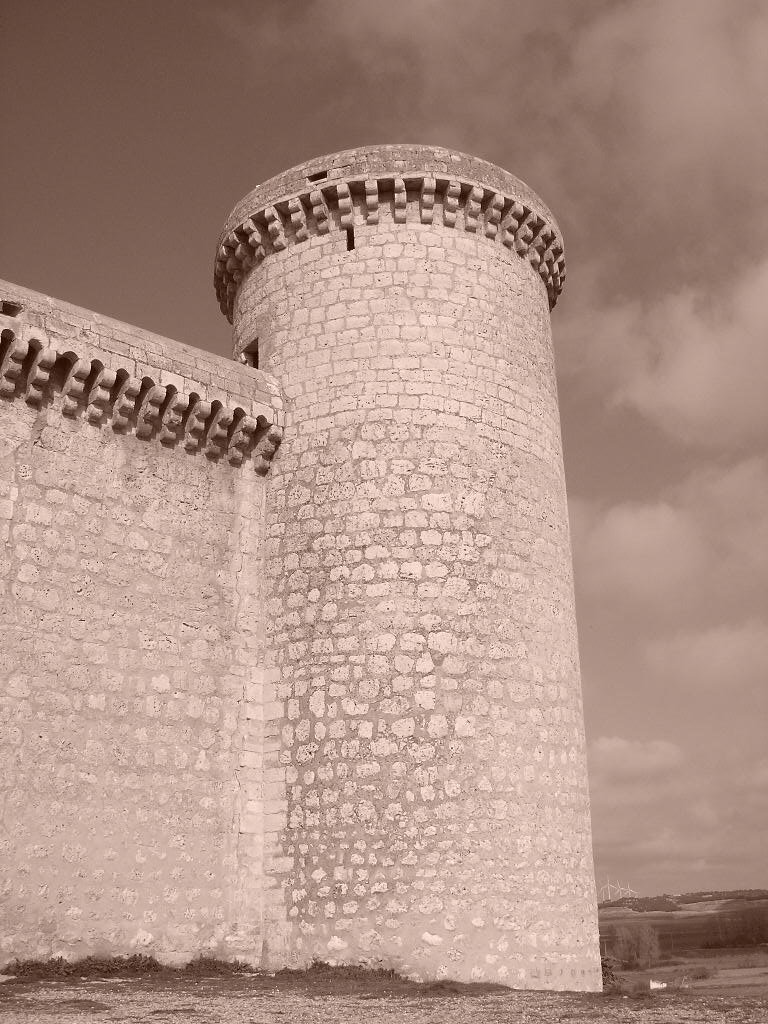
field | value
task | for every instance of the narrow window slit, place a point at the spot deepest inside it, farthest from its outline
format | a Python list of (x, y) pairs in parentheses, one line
[(250, 354), (350, 239), (317, 176)]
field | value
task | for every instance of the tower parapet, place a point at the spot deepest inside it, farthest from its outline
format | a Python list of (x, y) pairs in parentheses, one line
[(430, 185), (427, 803)]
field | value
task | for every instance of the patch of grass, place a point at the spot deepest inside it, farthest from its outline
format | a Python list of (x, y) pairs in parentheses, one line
[(371, 980), (319, 971), (86, 967), (210, 966), (349, 972), (701, 971), (320, 978), (137, 965)]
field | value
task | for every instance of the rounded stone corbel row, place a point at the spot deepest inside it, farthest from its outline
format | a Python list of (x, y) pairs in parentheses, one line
[(339, 205), (33, 370)]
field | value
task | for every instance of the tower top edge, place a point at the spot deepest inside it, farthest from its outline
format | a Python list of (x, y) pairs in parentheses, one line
[(429, 183), (386, 160)]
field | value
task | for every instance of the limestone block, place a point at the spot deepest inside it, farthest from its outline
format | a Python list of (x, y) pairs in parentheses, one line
[(73, 389), (11, 365)]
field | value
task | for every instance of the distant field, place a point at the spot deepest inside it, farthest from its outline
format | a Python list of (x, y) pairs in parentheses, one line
[(735, 972), (690, 926)]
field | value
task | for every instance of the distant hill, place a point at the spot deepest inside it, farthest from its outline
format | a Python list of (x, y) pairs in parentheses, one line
[(692, 920), (727, 894), (641, 904), (648, 904)]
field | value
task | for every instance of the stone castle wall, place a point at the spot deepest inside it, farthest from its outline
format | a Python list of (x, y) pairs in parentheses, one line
[(130, 602), (289, 663), (421, 642)]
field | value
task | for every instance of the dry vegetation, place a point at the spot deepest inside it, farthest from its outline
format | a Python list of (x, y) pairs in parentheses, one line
[(708, 988)]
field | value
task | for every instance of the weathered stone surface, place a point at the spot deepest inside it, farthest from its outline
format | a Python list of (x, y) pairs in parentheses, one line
[(421, 637), (290, 665), (130, 602)]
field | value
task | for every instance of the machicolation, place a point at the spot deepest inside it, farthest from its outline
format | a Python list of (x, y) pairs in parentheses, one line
[(290, 666)]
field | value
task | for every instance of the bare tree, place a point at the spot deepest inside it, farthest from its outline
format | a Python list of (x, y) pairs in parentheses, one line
[(636, 946)]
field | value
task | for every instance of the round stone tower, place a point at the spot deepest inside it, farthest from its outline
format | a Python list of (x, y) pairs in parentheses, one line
[(423, 709)]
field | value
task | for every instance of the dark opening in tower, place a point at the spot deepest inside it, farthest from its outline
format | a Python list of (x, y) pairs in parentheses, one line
[(250, 354)]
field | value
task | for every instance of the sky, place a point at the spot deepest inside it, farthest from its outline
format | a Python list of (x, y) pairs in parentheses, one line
[(131, 129)]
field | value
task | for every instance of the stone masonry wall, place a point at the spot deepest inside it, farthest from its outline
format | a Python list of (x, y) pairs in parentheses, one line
[(322, 706), (422, 653), (131, 735)]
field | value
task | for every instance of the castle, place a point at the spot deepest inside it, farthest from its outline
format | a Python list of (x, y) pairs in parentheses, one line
[(289, 664)]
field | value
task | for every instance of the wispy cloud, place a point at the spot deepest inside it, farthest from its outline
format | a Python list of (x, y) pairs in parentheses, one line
[(694, 361), (728, 659), (617, 760), (658, 813), (698, 549)]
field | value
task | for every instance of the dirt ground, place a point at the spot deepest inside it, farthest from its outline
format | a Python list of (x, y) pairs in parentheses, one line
[(258, 999)]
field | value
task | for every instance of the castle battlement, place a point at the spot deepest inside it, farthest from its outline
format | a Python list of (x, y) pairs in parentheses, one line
[(327, 195), (80, 384)]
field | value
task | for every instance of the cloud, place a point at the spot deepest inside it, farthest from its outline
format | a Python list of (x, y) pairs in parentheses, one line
[(700, 547), (677, 89), (637, 551), (726, 658), (694, 362), (615, 760), (674, 817)]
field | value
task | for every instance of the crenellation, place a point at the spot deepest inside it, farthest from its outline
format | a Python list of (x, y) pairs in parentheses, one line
[(255, 239), (371, 201), (473, 208), (527, 230), (510, 223), (215, 439), (38, 374), (149, 409), (493, 215), (124, 402), (99, 396), (344, 205), (76, 377), (451, 198), (106, 395), (194, 424), (400, 206), (172, 417), (275, 228), (427, 212), (12, 359), (241, 439), (298, 219), (319, 211), (521, 225)]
